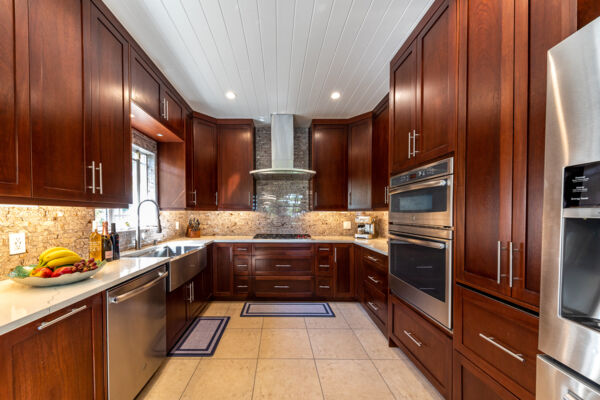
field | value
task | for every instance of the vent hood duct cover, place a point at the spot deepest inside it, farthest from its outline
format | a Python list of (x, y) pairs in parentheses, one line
[(282, 152)]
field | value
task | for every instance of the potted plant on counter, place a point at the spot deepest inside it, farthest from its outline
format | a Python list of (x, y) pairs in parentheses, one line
[(193, 229)]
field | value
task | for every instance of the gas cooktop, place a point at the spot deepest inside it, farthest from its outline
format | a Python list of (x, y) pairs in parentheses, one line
[(282, 236)]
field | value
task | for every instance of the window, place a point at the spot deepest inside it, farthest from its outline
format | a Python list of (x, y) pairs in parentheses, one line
[(143, 179)]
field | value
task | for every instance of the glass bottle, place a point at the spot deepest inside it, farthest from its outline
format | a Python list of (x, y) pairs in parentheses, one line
[(107, 249), (95, 243), (114, 238)]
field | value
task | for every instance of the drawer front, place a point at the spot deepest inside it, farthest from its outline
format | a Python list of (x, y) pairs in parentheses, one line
[(241, 285), (372, 257), (283, 287), (324, 259), (282, 266), (241, 265), (282, 250), (426, 343), (242, 248), (376, 302), (503, 337), (324, 287), (375, 277)]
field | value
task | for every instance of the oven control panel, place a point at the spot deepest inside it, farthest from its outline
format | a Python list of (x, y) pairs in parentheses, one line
[(444, 167), (582, 185)]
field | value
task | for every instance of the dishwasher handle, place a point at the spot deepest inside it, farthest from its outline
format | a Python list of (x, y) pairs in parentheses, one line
[(138, 290)]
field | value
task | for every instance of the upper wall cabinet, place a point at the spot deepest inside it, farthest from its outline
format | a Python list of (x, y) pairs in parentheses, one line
[(202, 165), (359, 163), (423, 92), (235, 159), (15, 143), (380, 167), (330, 161), (173, 114)]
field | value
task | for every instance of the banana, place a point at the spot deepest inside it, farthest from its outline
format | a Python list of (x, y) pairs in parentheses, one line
[(58, 262), (58, 254), (53, 249)]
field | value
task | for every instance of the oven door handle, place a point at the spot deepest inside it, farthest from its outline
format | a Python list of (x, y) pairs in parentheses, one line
[(425, 243), (422, 185)]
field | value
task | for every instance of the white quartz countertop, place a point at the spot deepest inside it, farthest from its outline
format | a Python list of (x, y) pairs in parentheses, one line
[(20, 304)]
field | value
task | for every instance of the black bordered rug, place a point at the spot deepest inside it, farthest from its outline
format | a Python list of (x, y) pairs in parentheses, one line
[(201, 338), (287, 309)]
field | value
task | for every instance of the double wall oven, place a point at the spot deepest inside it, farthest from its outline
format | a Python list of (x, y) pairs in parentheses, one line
[(420, 238)]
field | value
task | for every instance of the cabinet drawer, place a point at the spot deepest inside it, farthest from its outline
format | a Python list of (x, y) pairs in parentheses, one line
[(241, 285), (241, 265), (372, 257), (324, 287), (498, 337), (324, 259), (375, 277), (242, 248), (282, 266), (282, 250), (300, 286), (376, 302), (425, 343)]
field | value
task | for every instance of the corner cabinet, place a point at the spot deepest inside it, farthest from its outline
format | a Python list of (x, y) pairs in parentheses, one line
[(60, 356), (330, 160), (380, 156), (344, 271), (202, 165), (360, 146), (423, 92)]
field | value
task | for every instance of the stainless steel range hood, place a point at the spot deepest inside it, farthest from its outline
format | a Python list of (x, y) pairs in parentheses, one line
[(282, 152)]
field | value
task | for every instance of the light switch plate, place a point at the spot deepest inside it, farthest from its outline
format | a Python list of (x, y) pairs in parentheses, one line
[(16, 243), (177, 225), (347, 224)]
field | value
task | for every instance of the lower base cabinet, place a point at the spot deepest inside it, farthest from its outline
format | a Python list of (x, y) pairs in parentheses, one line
[(372, 286), (426, 344), (60, 356), (471, 383)]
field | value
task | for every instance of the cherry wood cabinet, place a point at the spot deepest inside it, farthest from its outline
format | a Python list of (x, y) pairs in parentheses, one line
[(360, 163), (202, 153), (63, 352), (177, 316), (423, 91), (380, 180), (222, 269), (329, 151), (235, 158), (145, 86), (173, 115), (344, 271), (15, 142), (471, 383), (372, 285)]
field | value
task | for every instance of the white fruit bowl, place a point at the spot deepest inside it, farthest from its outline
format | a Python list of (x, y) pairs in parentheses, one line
[(59, 280)]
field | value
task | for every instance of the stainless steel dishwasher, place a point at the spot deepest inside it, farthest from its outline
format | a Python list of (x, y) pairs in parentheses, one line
[(136, 335)]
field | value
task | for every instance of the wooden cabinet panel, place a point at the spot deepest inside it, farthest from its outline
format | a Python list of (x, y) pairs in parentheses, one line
[(145, 90), (241, 265), (59, 106), (380, 173), (471, 383), (324, 259), (223, 269), (359, 164), (67, 357), (111, 130), (375, 301), (235, 161), (241, 285), (203, 193), (177, 301), (375, 276), (15, 142), (324, 287), (330, 160), (403, 94), (173, 115), (283, 266), (343, 258), (207, 276), (289, 286)]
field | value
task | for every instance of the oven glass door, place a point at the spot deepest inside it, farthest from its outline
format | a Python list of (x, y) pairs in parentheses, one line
[(423, 203)]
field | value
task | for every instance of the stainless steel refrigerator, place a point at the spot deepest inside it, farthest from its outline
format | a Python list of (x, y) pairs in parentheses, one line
[(570, 288)]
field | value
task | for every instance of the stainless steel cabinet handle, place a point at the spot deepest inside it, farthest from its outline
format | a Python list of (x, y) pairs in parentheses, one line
[(195, 197), (281, 287), (418, 242), (216, 198), (100, 175), (323, 266), (373, 306), (409, 138), (504, 349), (73, 311), (373, 258), (191, 296), (510, 264), (324, 287), (386, 191), (242, 286), (335, 254), (93, 168), (323, 248), (242, 248), (349, 197), (283, 265), (249, 198), (193, 292), (415, 151), (571, 396), (373, 279), (315, 199), (136, 291), (415, 341), (163, 114), (499, 262), (242, 265), (167, 102)]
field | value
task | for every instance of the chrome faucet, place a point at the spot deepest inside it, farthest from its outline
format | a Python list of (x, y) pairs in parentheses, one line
[(138, 242)]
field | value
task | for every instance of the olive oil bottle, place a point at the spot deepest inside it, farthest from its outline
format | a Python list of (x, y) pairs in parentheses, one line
[(107, 248), (95, 243)]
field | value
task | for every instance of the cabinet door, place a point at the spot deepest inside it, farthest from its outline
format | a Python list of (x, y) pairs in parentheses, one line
[(197, 300), (359, 165), (203, 194), (343, 258), (177, 301), (111, 129), (330, 160), (471, 383), (403, 95), (381, 180), (436, 76), (59, 99), (223, 269), (15, 143), (145, 87), (173, 114), (65, 356), (235, 161), (486, 133), (207, 283)]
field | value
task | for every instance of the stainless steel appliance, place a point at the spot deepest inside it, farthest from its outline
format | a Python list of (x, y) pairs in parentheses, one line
[(282, 236), (365, 227), (420, 239), (136, 335), (570, 285)]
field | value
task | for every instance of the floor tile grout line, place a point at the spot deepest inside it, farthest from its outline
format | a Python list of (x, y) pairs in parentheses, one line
[(257, 357), (189, 380)]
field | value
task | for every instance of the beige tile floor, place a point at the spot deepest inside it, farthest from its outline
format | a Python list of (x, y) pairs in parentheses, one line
[(345, 357)]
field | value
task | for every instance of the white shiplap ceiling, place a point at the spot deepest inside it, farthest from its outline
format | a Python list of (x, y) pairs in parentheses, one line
[(277, 56)]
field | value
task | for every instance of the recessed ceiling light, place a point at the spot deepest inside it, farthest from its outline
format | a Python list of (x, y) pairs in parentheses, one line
[(159, 134), (230, 95), (132, 116), (335, 95)]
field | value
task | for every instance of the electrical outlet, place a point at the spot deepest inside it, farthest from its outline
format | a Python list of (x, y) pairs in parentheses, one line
[(176, 225), (16, 243), (347, 224)]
